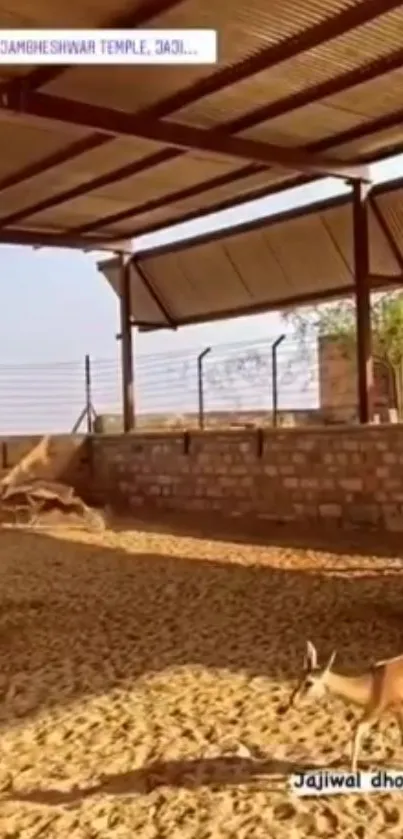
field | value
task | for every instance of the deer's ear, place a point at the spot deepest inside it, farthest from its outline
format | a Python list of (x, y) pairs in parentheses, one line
[(331, 660), (311, 657)]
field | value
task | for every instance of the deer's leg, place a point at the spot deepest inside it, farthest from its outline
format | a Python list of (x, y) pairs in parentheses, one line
[(399, 717), (34, 515), (361, 730)]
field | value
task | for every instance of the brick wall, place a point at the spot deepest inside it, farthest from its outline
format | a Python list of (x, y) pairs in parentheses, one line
[(350, 475)]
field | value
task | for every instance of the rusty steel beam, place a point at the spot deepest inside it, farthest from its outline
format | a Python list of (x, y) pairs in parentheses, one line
[(222, 206), (39, 77), (149, 286), (283, 303), (255, 223), (42, 76), (69, 153), (126, 125), (365, 372), (324, 144), (119, 124), (143, 326), (319, 33), (259, 222), (254, 195), (315, 93), (270, 111), (265, 59), (263, 191), (75, 149), (330, 142), (126, 346), (36, 239), (368, 128), (77, 191), (165, 200), (380, 279)]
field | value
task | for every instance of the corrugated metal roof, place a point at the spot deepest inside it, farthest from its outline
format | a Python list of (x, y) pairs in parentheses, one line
[(319, 78), (346, 53), (266, 264)]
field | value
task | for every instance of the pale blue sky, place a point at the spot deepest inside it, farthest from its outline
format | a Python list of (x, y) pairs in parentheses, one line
[(57, 307)]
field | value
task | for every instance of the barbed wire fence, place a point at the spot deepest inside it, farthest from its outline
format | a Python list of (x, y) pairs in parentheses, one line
[(246, 382)]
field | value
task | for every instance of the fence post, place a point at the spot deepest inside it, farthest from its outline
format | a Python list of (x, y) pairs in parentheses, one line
[(126, 347), (200, 384), (274, 380), (88, 399)]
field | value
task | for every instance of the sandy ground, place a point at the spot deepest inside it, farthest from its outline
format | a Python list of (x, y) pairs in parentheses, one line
[(141, 675)]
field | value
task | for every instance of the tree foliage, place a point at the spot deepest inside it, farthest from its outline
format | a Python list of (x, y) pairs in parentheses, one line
[(338, 321)]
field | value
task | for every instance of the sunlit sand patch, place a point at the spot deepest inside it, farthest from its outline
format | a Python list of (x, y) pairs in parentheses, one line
[(142, 674)]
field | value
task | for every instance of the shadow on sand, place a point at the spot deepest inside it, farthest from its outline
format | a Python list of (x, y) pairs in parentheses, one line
[(91, 617), (269, 773), (363, 541)]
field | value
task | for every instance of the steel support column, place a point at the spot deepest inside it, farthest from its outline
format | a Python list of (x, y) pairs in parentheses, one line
[(365, 373), (127, 347)]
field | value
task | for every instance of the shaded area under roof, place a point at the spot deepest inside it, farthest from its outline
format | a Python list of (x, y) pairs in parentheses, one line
[(91, 155), (295, 257)]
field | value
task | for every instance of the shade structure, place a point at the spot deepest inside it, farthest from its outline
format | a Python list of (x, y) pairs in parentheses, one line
[(296, 256), (91, 156)]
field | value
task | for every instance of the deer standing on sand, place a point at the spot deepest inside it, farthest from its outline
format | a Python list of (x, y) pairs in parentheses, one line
[(377, 690)]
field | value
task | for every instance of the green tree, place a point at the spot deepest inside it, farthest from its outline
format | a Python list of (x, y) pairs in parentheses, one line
[(337, 320)]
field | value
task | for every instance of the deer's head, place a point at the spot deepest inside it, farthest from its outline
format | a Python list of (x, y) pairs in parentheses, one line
[(313, 681)]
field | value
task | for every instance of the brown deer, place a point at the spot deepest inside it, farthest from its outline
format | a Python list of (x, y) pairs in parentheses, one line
[(377, 690)]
